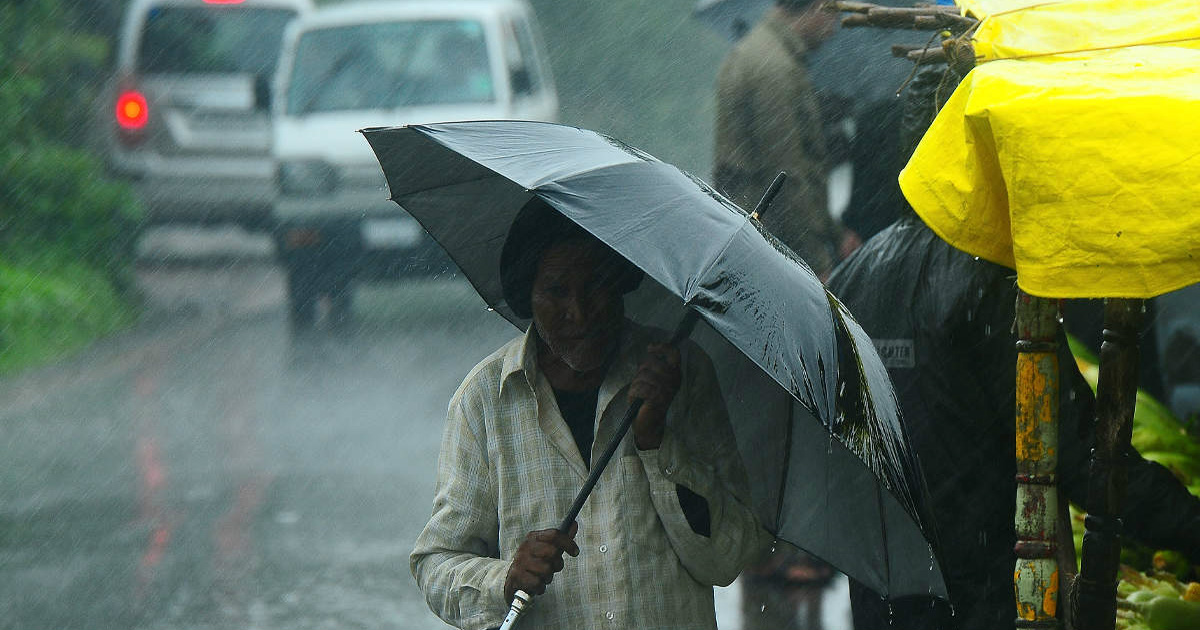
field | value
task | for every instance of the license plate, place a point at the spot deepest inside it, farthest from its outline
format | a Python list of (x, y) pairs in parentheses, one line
[(390, 233)]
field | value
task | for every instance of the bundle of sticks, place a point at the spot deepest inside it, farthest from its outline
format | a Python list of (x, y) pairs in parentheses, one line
[(955, 47)]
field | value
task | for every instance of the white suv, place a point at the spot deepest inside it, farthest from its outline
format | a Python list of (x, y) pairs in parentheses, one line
[(187, 115), (350, 66)]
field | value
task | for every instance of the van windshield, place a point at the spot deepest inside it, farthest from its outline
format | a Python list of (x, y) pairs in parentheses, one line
[(212, 39), (388, 65)]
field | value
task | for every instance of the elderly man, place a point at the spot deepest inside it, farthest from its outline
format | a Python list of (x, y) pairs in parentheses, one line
[(666, 521)]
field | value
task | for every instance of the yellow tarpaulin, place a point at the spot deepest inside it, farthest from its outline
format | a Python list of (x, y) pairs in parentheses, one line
[(1027, 28), (1072, 151)]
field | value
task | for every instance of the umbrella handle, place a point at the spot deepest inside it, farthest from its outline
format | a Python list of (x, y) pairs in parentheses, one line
[(521, 599)]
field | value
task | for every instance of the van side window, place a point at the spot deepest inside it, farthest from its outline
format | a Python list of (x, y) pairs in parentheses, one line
[(526, 75)]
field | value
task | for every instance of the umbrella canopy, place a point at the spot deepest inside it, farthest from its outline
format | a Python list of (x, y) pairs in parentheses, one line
[(1069, 152), (811, 406)]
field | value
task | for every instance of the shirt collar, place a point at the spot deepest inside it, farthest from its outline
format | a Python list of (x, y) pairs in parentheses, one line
[(520, 357)]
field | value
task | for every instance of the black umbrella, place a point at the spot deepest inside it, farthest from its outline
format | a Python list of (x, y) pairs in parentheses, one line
[(810, 402)]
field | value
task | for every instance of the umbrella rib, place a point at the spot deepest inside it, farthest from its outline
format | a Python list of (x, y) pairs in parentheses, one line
[(887, 554), (787, 462), (395, 198), (807, 382), (713, 262), (537, 187)]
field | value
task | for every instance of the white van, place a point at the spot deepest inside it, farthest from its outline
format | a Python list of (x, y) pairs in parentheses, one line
[(186, 117), (356, 65)]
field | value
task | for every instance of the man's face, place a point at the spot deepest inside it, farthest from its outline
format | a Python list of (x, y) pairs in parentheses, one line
[(816, 24), (577, 307)]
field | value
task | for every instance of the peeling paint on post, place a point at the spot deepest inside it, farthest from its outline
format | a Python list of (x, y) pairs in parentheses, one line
[(1035, 577)]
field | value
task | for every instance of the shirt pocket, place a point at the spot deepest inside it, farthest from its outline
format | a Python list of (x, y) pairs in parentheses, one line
[(636, 513)]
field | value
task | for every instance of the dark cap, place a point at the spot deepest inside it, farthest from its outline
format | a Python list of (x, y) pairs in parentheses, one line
[(536, 228)]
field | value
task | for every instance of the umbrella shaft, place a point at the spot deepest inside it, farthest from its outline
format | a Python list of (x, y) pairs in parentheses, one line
[(600, 465), (522, 599), (682, 331)]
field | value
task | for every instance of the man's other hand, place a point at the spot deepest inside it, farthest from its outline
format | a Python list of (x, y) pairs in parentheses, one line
[(538, 558), (656, 383)]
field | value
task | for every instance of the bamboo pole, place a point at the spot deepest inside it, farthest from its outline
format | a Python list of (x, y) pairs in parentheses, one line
[(955, 49), (1094, 599), (1036, 576), (922, 18)]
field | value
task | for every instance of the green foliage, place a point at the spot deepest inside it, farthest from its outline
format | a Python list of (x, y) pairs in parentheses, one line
[(66, 231), (51, 311), (50, 71), (59, 203), (53, 194)]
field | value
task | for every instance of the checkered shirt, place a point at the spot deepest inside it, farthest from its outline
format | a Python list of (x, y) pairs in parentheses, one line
[(509, 465)]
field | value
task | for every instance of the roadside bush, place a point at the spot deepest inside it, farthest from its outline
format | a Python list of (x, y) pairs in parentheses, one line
[(66, 231), (46, 313), (55, 201), (58, 206)]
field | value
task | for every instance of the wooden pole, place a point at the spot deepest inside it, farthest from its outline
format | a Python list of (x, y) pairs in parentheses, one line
[(1036, 576), (1094, 598), (932, 18)]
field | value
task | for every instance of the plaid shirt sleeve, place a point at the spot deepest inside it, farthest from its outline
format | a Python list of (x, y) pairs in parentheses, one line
[(456, 561)]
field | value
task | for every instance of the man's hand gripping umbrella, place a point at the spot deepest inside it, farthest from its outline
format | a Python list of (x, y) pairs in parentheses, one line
[(540, 556)]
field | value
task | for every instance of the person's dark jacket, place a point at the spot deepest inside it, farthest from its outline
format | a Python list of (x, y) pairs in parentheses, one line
[(943, 320), (877, 155)]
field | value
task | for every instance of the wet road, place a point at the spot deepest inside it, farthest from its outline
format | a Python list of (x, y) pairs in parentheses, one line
[(210, 470)]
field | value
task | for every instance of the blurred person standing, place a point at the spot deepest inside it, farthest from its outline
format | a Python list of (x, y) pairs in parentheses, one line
[(769, 119)]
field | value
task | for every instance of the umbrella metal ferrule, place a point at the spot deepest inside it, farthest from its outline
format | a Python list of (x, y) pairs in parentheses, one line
[(768, 196)]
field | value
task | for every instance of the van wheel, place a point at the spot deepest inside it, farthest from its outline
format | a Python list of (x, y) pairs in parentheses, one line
[(302, 302), (341, 299)]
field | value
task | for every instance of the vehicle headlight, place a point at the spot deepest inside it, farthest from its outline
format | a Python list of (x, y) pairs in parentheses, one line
[(306, 177)]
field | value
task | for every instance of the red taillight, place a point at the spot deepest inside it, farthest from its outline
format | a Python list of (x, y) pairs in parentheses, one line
[(132, 111)]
